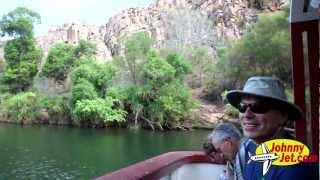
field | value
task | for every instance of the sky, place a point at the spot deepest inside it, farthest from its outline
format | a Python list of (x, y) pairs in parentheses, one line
[(58, 12)]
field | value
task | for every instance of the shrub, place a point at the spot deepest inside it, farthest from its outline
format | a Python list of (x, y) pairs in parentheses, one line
[(83, 90), (57, 108), (22, 107), (100, 75), (59, 61), (98, 110)]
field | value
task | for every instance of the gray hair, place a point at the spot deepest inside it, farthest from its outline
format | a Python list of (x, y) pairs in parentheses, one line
[(224, 131)]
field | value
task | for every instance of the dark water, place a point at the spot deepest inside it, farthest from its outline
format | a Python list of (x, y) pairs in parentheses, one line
[(74, 153)]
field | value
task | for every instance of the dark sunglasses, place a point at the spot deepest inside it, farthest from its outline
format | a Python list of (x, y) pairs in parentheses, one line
[(258, 108)]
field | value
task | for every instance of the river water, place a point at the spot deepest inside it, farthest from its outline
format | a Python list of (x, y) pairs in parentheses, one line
[(42, 152)]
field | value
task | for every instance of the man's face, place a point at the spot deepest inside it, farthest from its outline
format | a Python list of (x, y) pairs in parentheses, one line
[(217, 157), (260, 126), (227, 149)]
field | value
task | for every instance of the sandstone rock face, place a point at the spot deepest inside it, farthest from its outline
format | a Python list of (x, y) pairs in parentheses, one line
[(72, 33), (131, 21), (229, 18)]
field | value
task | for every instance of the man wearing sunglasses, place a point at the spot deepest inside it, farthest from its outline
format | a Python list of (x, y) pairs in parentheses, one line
[(264, 111)]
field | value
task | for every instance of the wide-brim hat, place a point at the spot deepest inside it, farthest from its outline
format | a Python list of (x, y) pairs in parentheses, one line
[(268, 88)]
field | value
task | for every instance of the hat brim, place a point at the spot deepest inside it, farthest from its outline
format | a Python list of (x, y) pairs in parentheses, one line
[(294, 113)]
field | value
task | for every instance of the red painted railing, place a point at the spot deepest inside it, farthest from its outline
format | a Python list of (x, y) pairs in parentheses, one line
[(158, 166)]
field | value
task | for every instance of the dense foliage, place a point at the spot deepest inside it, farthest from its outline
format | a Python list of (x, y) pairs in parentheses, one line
[(82, 90), (88, 102), (19, 22), (97, 110), (135, 52), (56, 108), (264, 50), (59, 61), (161, 100), (63, 57), (22, 108), (99, 75), (20, 53)]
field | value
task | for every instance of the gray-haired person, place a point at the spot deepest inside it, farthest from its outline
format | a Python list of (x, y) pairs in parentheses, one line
[(222, 145)]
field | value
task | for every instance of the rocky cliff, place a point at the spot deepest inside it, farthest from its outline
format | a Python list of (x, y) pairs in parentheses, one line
[(72, 33), (227, 19)]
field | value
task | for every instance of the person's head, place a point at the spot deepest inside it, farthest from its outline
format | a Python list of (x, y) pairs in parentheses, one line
[(263, 108), (224, 140)]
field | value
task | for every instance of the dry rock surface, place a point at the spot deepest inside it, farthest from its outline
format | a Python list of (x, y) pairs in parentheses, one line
[(72, 33), (230, 18)]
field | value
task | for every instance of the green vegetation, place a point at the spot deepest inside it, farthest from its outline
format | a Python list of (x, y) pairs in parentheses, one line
[(82, 90), (264, 50), (135, 52), (88, 104), (99, 75), (62, 57), (22, 108), (157, 97), (59, 61), (98, 110), (20, 53), (142, 86), (203, 67), (54, 110), (19, 22)]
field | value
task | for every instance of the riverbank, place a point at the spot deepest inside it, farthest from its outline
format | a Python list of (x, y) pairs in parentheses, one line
[(206, 116), (31, 108)]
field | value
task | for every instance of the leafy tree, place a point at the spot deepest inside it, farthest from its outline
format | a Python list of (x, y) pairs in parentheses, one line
[(170, 99), (181, 66), (19, 22), (63, 57), (157, 71), (162, 99), (19, 77), (21, 54), (175, 102), (202, 63), (59, 61), (264, 50), (88, 104), (85, 49), (100, 75), (135, 55)]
